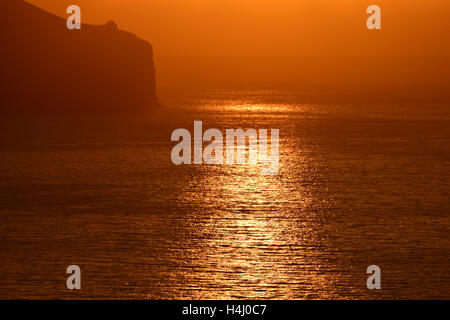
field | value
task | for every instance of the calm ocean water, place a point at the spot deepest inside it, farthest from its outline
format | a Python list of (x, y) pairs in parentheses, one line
[(357, 186)]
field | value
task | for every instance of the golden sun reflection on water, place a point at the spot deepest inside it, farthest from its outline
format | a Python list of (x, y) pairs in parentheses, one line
[(255, 243), (252, 107)]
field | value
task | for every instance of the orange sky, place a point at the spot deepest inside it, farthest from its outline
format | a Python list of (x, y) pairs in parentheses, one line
[(274, 27)]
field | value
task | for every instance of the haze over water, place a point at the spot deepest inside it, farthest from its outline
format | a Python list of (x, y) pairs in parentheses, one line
[(357, 185)]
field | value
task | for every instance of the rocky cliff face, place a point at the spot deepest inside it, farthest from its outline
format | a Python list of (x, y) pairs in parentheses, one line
[(47, 67)]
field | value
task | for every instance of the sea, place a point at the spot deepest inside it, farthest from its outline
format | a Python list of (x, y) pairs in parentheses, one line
[(358, 185)]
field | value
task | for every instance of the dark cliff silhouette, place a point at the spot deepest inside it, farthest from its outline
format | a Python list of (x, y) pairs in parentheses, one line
[(48, 68)]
